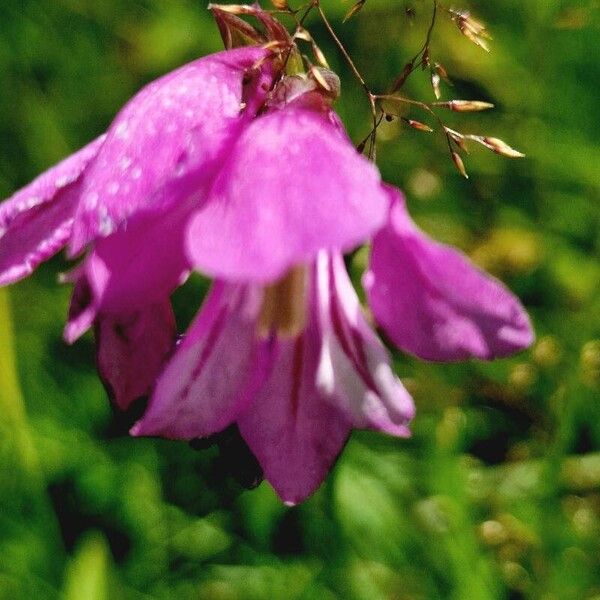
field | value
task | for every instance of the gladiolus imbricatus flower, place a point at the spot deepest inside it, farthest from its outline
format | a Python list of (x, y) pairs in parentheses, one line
[(230, 167)]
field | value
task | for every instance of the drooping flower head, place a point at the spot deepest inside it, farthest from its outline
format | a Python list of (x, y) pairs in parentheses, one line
[(239, 169)]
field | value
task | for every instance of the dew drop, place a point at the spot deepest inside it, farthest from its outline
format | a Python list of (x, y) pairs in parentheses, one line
[(121, 131), (62, 181), (91, 200), (125, 163), (104, 221)]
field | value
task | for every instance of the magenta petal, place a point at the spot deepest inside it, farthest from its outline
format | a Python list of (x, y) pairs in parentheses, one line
[(131, 349), (130, 269), (176, 124), (36, 221), (35, 237), (354, 366), (295, 433), (140, 264), (47, 186), (82, 309), (213, 373), (291, 186), (433, 302)]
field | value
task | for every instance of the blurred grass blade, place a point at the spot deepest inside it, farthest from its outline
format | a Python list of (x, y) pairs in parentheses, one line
[(87, 573), (13, 420), (11, 400)]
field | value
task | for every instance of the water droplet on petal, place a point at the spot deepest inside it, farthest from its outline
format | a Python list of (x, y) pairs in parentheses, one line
[(121, 131), (62, 181), (105, 222), (91, 200), (125, 163)]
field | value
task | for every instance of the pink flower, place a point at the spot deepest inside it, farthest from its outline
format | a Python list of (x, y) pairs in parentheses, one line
[(130, 194), (296, 366), (224, 167)]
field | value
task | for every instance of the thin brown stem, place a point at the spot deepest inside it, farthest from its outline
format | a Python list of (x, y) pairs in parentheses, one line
[(412, 64), (299, 25), (370, 96), (423, 106), (369, 136), (339, 44), (309, 8), (402, 100), (429, 32)]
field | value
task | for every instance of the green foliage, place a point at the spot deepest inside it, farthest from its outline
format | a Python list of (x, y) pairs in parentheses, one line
[(497, 495)]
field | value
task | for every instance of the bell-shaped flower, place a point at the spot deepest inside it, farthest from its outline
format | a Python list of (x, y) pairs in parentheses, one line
[(294, 364), (229, 167)]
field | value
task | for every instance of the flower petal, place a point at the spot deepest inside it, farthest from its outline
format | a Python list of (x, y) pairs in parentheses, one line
[(433, 302), (131, 349), (50, 184), (214, 372), (294, 432), (144, 263), (82, 308), (291, 185), (36, 221), (354, 366), (132, 268), (176, 124)]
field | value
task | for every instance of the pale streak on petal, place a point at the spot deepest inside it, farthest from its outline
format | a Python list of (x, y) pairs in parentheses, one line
[(295, 433), (354, 367)]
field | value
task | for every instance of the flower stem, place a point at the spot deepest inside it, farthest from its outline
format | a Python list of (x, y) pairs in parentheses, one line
[(11, 399), (370, 96)]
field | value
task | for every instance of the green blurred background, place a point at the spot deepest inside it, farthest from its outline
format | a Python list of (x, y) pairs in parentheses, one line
[(497, 495)]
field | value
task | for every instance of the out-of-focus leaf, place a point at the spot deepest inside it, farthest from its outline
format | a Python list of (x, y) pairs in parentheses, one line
[(88, 572)]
